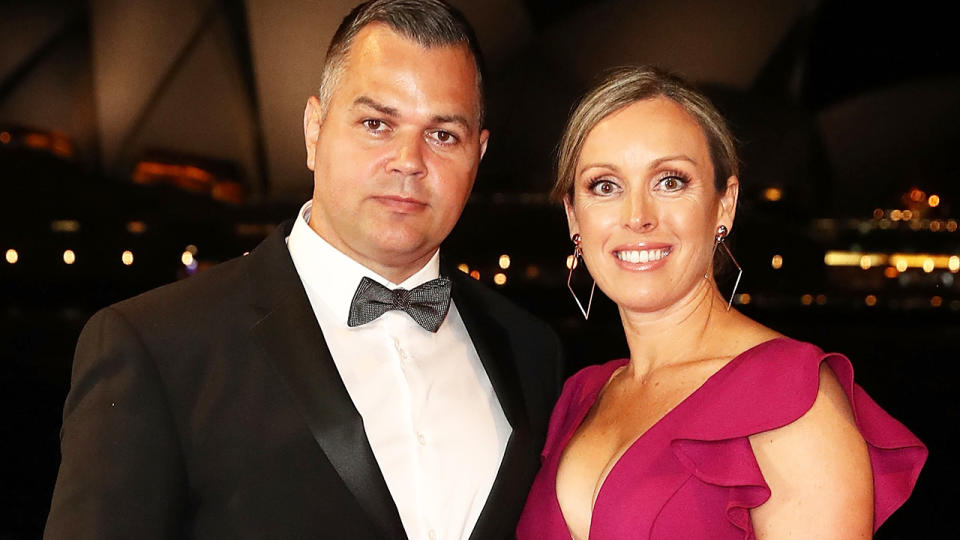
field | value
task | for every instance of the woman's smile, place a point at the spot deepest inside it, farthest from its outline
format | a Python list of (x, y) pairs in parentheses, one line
[(642, 258)]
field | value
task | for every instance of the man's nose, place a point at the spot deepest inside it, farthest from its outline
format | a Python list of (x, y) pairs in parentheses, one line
[(407, 158), (639, 212)]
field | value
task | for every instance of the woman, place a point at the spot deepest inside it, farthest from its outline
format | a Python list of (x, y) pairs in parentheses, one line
[(716, 426)]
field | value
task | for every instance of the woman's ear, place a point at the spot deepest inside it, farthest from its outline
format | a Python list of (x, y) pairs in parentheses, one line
[(571, 216), (728, 203)]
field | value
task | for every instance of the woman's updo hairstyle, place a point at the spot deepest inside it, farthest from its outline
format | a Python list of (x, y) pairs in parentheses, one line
[(625, 85)]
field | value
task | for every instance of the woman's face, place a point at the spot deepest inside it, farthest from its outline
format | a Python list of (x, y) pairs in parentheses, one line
[(645, 205)]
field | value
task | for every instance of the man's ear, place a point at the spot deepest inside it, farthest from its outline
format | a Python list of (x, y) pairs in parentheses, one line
[(312, 118), (484, 138), (572, 224), (728, 203)]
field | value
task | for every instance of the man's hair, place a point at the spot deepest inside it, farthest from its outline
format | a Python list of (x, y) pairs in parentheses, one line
[(622, 86), (430, 23)]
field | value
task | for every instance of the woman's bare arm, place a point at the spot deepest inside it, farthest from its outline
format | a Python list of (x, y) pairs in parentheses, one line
[(818, 470)]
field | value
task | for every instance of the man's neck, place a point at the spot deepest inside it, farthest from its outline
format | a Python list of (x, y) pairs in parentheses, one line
[(394, 272)]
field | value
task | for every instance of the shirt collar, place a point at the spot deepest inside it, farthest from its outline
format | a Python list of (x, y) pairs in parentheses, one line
[(331, 276)]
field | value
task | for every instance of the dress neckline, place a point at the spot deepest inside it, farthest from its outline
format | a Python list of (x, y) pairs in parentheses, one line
[(591, 401)]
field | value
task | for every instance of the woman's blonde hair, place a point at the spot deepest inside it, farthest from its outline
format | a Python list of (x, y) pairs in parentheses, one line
[(625, 85)]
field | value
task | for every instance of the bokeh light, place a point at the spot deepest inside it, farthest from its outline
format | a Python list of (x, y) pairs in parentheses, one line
[(773, 194)]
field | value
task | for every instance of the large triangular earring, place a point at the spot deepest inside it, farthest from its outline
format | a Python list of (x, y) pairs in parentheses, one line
[(574, 262), (718, 241)]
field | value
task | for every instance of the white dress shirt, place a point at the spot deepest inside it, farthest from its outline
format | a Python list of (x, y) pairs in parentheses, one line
[(430, 413)]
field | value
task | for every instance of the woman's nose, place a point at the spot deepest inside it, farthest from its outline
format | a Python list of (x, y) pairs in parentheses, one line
[(639, 213)]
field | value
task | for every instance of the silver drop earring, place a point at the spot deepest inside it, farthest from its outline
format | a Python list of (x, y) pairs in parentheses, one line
[(718, 241), (574, 262)]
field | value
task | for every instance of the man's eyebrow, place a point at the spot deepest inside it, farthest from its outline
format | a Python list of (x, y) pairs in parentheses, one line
[(454, 119), (459, 119), (377, 106)]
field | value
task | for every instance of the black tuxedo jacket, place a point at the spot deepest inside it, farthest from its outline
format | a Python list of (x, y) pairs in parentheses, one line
[(211, 408)]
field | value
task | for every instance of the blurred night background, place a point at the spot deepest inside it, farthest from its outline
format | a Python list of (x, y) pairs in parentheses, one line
[(143, 140)]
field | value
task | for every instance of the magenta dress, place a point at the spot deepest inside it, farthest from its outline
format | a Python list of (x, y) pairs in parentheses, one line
[(693, 474)]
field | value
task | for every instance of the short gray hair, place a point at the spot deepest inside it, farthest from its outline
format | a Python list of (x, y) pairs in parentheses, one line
[(431, 23)]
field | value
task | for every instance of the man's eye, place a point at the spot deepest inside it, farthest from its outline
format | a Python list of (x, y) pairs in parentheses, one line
[(373, 124), (444, 137)]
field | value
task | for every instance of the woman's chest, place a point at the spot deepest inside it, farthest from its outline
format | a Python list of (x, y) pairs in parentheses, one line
[(621, 426), (647, 493)]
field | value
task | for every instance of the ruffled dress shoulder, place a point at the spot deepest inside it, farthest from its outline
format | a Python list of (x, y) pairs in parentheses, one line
[(693, 474)]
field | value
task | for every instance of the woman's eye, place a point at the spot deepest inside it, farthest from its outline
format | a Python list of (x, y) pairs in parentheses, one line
[(672, 183), (603, 187)]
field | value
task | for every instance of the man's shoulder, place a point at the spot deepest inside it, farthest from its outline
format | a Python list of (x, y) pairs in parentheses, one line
[(218, 290), (208, 290)]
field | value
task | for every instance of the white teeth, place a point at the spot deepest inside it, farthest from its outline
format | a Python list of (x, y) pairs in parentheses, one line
[(643, 255)]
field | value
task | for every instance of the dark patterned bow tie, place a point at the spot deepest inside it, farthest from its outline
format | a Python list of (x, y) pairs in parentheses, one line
[(426, 304)]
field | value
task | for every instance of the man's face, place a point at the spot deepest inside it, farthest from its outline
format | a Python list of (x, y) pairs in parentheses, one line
[(395, 153)]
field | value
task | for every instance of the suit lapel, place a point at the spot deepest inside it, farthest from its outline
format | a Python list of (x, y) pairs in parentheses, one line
[(289, 334), (492, 344)]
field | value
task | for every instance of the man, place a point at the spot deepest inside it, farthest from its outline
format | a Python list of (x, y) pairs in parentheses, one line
[(280, 395)]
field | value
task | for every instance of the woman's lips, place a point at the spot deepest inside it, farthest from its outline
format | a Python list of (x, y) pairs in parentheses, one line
[(642, 258)]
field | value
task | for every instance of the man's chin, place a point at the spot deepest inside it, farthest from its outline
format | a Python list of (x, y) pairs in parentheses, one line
[(400, 253), (396, 251), (403, 239)]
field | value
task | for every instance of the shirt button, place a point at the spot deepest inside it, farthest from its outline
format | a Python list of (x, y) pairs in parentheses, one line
[(432, 534), (422, 439)]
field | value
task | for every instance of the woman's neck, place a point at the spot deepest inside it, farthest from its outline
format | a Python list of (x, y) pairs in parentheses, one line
[(675, 334)]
